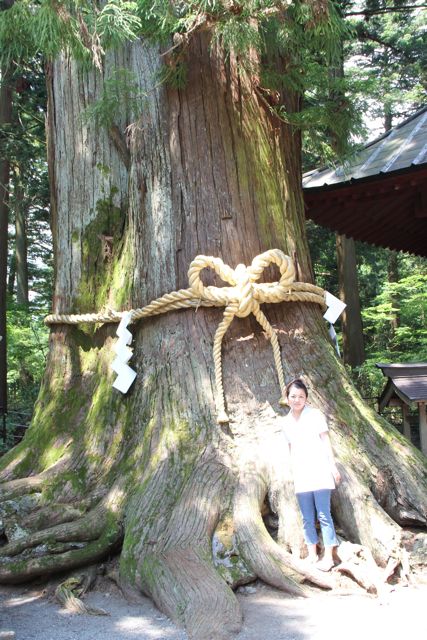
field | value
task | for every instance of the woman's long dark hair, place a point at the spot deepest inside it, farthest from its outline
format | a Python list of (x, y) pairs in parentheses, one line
[(299, 384)]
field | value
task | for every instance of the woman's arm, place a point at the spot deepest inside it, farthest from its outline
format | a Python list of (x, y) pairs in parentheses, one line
[(330, 455)]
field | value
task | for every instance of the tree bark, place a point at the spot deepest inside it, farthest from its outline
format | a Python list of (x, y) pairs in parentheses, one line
[(21, 262), (393, 278), (351, 319), (11, 275), (151, 474)]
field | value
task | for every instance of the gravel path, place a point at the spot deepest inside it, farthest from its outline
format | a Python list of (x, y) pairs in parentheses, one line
[(268, 615)]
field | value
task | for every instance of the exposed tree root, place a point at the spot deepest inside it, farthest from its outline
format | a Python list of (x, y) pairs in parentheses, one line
[(65, 546), (269, 561), (47, 559), (171, 525), (174, 556), (283, 502), (175, 564), (17, 487), (70, 591), (85, 529), (53, 515), (404, 501), (23, 486), (188, 589), (357, 561), (359, 514)]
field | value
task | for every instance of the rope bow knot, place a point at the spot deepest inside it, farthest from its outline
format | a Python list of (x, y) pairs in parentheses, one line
[(243, 297), (245, 291)]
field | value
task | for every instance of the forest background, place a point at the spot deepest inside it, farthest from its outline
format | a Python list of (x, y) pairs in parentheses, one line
[(383, 80)]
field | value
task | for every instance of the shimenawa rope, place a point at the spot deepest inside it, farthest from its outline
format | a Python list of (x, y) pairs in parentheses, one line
[(243, 297)]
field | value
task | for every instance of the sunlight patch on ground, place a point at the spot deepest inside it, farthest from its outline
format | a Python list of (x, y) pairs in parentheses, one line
[(20, 600), (132, 625)]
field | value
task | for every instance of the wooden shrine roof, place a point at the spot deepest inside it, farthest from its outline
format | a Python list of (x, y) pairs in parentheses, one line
[(406, 381), (380, 196)]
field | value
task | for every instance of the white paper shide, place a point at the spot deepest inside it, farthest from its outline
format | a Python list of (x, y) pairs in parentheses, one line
[(335, 307), (333, 312), (125, 375)]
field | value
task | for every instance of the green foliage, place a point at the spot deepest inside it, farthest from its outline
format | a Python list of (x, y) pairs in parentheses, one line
[(159, 19), (174, 74), (323, 256), (23, 142), (403, 303), (330, 125), (117, 22), (329, 118), (394, 314), (27, 349), (388, 56), (385, 76), (25, 138), (320, 36), (17, 41), (238, 35), (120, 93), (305, 35), (29, 28), (53, 31)]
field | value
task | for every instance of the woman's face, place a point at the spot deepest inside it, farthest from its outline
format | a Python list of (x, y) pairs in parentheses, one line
[(296, 399)]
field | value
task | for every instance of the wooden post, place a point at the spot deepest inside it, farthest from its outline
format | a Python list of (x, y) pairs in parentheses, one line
[(423, 426), (406, 424), (351, 319)]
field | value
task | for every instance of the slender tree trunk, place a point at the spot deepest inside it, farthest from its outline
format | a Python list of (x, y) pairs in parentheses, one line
[(151, 474), (5, 119), (388, 120), (393, 278), (21, 261), (351, 319), (11, 275)]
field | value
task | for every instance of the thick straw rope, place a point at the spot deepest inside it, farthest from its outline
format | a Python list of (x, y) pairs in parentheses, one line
[(243, 297)]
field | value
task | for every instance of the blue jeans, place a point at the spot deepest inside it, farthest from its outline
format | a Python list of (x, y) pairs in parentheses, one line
[(311, 502)]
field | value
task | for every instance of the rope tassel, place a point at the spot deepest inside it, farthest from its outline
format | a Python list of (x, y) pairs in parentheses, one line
[(243, 297)]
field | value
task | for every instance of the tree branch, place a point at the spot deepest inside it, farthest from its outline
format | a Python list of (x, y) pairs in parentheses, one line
[(120, 145), (365, 35), (372, 12)]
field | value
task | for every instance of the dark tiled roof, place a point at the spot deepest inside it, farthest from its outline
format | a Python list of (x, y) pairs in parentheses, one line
[(399, 148), (381, 196), (407, 381)]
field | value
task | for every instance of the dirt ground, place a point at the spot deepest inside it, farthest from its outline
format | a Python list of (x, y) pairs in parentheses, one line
[(268, 614)]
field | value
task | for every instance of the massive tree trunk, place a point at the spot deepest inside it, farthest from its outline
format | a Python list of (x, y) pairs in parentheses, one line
[(151, 473)]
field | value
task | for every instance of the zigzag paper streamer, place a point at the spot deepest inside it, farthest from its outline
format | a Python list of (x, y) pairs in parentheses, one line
[(335, 309), (125, 375)]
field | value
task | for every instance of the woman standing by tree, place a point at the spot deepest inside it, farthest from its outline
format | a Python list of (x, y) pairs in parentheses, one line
[(314, 470), (206, 167)]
